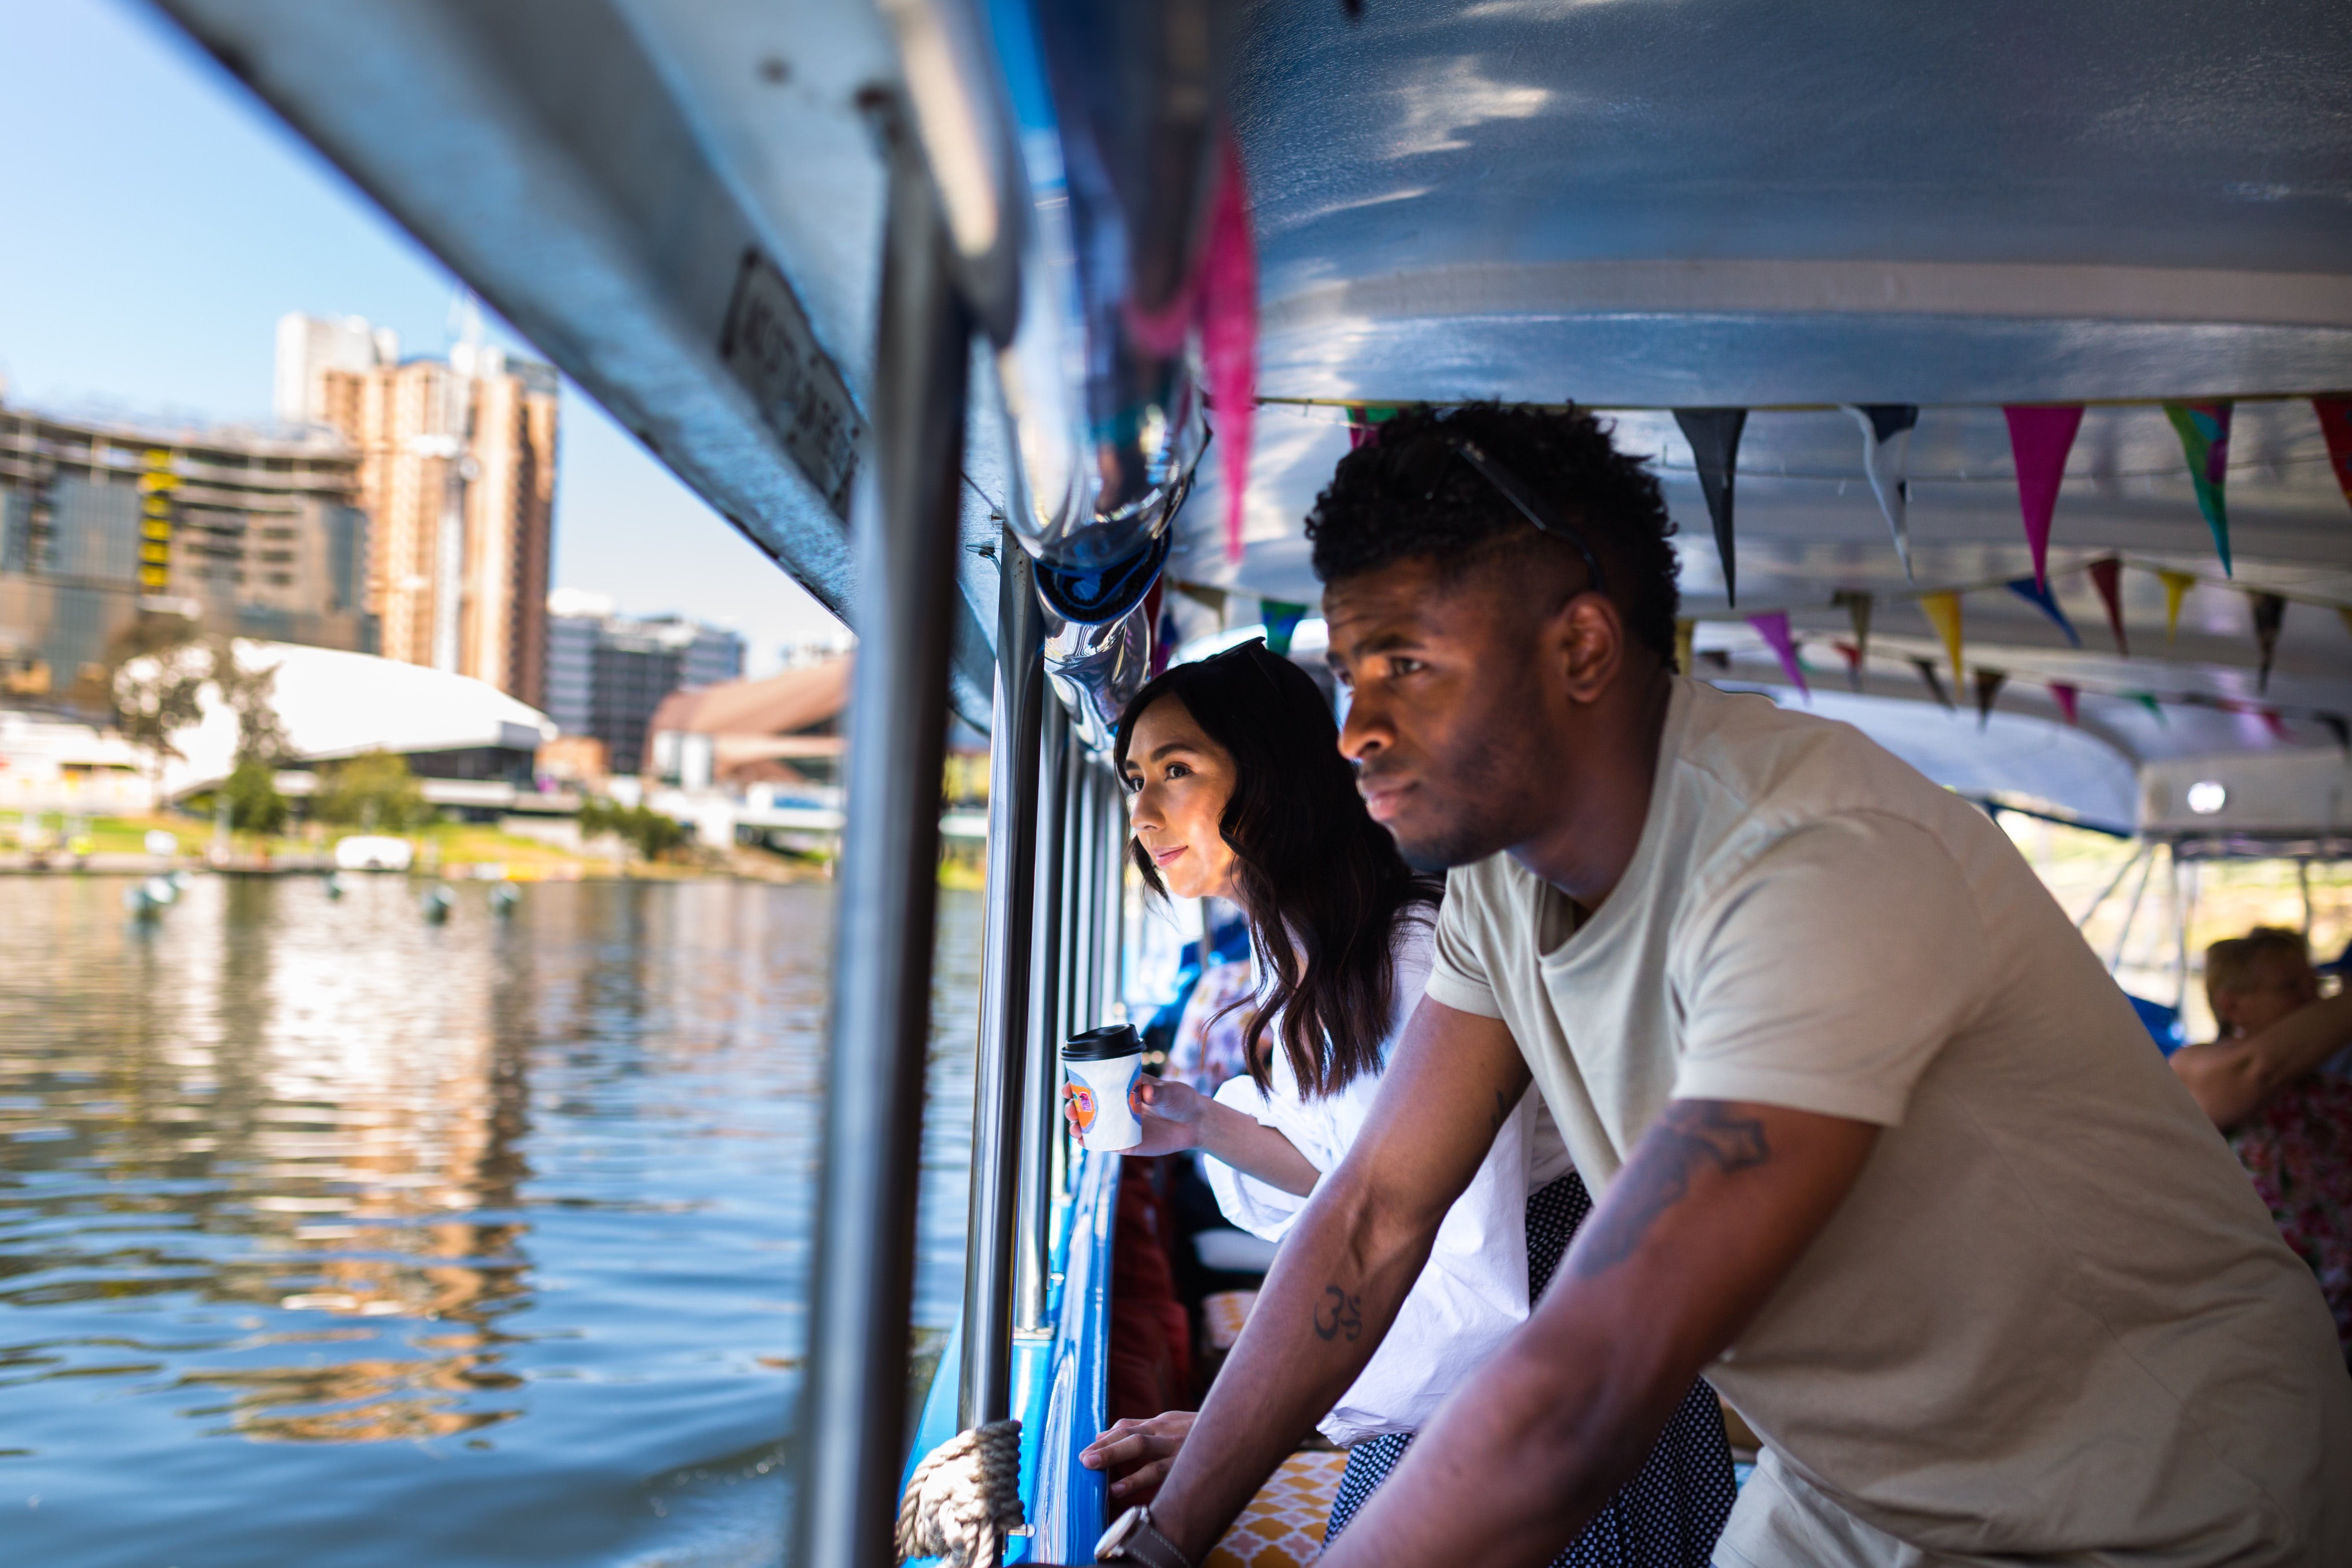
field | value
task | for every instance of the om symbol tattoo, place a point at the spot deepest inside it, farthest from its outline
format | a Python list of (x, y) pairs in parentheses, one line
[(1340, 1314)]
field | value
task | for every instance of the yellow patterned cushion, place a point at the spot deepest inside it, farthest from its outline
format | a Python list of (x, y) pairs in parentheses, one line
[(1283, 1525), (1222, 1315)]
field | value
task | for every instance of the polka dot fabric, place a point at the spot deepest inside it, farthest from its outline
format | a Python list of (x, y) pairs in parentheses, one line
[(1669, 1514), (1283, 1525)]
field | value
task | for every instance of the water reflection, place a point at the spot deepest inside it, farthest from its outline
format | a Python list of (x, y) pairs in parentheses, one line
[(507, 1212)]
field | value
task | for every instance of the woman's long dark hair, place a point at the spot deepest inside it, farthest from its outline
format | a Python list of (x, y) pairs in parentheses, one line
[(1321, 883)]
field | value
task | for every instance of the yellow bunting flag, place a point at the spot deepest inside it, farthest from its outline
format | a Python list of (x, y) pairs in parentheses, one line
[(2176, 584), (1686, 636), (1943, 613), (1210, 599)]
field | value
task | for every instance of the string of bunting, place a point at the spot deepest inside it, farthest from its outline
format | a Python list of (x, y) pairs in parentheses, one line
[(2041, 437), (1942, 608), (1988, 680)]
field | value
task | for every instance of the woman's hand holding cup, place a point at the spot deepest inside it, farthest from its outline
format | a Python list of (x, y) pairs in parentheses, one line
[(1171, 1114)]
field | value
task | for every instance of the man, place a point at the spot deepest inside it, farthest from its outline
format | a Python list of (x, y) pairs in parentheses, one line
[(1880, 1147)]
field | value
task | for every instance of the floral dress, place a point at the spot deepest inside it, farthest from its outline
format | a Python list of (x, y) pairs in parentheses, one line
[(2299, 1150)]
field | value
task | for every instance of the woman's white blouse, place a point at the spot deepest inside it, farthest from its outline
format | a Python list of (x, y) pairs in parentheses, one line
[(1473, 1293)]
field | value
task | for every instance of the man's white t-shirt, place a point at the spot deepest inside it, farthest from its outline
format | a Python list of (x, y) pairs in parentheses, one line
[(2052, 1319)]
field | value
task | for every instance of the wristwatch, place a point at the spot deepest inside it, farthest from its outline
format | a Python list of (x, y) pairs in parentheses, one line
[(1132, 1537)]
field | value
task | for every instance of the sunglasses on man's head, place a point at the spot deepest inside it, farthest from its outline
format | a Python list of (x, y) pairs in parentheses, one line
[(1418, 466)]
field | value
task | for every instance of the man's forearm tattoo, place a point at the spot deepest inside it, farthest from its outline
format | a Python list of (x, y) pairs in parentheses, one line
[(1340, 1314), (1658, 1177)]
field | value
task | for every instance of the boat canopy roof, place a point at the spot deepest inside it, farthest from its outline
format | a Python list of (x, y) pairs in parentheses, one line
[(1640, 206)]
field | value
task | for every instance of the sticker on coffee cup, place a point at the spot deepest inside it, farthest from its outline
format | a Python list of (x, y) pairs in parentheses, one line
[(1103, 1064)]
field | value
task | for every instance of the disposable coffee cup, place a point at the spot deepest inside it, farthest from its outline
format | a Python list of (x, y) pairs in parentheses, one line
[(1102, 1063)]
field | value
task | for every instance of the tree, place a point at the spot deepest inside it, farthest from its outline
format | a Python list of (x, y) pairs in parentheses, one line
[(251, 695), (372, 790), (157, 676), (650, 833), (254, 803)]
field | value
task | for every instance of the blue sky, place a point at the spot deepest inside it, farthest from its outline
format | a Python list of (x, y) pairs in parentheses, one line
[(155, 221)]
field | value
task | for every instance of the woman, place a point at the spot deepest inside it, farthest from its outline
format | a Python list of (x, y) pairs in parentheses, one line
[(2269, 1085), (1238, 790)]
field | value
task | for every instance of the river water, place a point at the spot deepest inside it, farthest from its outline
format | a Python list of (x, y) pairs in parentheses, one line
[(329, 1236)]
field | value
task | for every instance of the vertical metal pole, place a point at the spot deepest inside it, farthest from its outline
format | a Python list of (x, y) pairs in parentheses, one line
[(1074, 928), (1042, 1108), (1115, 888), (998, 1080), (853, 1435), (1087, 878)]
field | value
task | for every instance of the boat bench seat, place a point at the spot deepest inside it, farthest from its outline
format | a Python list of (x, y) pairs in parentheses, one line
[(1283, 1525)]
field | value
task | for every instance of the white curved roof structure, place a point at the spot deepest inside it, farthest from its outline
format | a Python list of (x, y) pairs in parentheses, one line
[(335, 704)]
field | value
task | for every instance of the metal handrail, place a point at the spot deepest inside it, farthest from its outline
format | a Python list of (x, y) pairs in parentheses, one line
[(1000, 1081), (853, 1432), (1040, 1114)]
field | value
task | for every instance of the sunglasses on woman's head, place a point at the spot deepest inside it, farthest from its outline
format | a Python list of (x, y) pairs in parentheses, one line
[(1418, 466)]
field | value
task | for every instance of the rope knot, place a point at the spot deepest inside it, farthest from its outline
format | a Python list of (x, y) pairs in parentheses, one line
[(963, 1497)]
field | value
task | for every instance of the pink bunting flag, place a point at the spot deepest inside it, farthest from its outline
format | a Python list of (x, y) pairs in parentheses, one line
[(1853, 656), (2107, 576), (2069, 698), (1228, 331), (2039, 439), (2336, 425), (2276, 725), (1774, 629)]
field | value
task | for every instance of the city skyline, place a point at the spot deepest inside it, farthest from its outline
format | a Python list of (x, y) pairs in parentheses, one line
[(153, 295)]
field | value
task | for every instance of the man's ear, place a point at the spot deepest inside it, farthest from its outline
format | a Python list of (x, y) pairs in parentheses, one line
[(1588, 636)]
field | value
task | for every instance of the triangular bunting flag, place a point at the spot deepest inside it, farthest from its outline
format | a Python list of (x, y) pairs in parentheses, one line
[(2107, 576), (2147, 700), (2270, 611), (1856, 606), (1774, 629), (1229, 331), (1926, 668), (1716, 658), (2276, 724), (1364, 422), (2039, 596), (1885, 457), (2176, 584), (1853, 656), (2039, 440), (2205, 440), (1943, 613), (1714, 438), (1210, 599), (2335, 424), (2069, 699), (1989, 685), (1282, 618), (1686, 639), (2340, 728)]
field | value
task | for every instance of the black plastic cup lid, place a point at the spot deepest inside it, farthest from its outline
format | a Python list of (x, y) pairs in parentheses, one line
[(1106, 1044)]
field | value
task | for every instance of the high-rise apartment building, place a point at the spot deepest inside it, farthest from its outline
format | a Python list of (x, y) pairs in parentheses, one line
[(249, 533), (607, 673), (456, 472)]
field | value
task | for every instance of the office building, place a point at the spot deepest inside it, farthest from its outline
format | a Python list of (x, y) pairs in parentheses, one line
[(456, 473), (606, 673), (248, 534)]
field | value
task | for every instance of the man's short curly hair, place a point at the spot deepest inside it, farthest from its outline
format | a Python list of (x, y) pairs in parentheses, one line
[(1365, 520)]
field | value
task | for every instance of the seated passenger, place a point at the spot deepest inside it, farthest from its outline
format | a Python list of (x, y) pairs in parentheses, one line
[(2268, 1084), (1238, 790)]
